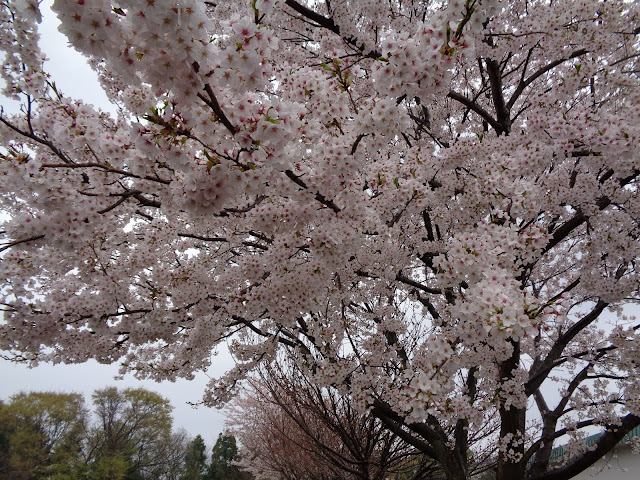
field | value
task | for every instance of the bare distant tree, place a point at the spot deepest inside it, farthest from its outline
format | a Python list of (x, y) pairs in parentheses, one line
[(290, 429)]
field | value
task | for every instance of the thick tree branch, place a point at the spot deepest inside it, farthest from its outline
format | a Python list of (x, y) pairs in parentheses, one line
[(246, 243), (242, 321), (512, 420), (203, 238), (212, 101), (548, 440), (461, 432), (321, 20), (502, 110), (564, 230), (609, 439), (394, 422), (476, 108), (407, 281), (435, 443)]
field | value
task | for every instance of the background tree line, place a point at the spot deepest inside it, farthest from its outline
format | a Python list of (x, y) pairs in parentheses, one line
[(288, 430), (128, 435)]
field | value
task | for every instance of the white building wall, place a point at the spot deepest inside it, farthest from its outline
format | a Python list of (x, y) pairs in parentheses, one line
[(621, 464)]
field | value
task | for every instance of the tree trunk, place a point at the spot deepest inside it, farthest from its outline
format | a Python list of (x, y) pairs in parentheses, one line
[(512, 426)]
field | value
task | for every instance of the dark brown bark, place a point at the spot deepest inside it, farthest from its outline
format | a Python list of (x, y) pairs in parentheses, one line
[(512, 424), (503, 119)]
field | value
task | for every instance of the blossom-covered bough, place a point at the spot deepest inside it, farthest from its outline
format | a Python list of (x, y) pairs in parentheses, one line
[(429, 206)]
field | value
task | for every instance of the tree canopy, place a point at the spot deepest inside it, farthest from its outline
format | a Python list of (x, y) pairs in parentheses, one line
[(429, 206), (42, 434), (224, 455), (195, 460), (48, 435), (134, 429)]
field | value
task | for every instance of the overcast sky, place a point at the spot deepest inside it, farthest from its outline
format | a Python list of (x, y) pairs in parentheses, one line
[(74, 77)]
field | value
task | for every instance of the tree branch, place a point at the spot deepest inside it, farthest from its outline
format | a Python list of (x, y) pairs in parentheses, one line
[(394, 423), (538, 73), (37, 139), (106, 168), (212, 101), (246, 243), (321, 20), (609, 439), (502, 110), (330, 25), (540, 369), (407, 281), (321, 198), (476, 108), (18, 242)]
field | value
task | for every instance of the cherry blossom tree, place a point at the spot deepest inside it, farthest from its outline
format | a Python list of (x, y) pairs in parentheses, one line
[(429, 206)]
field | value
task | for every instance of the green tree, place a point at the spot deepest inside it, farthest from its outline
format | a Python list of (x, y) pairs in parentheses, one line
[(41, 435), (5, 438), (114, 467), (47, 436), (223, 454), (195, 461), (134, 427)]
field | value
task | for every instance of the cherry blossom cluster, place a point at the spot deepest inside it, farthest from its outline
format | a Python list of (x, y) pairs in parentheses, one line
[(153, 42), (495, 304), (22, 61)]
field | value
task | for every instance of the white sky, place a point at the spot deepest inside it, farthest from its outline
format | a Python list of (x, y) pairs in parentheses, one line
[(75, 79)]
